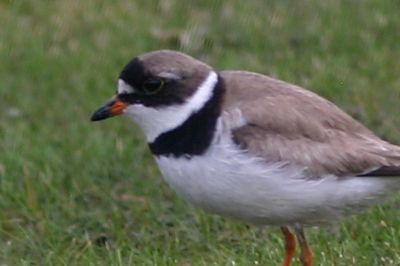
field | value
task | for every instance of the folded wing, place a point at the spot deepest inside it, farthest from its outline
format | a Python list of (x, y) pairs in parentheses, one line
[(283, 122)]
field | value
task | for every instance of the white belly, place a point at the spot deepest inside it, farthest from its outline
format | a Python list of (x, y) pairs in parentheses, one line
[(233, 184)]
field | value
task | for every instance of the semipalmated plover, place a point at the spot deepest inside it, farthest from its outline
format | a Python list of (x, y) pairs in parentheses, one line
[(254, 148)]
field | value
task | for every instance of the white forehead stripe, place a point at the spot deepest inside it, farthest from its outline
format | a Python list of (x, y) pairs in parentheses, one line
[(168, 75), (156, 120), (124, 87)]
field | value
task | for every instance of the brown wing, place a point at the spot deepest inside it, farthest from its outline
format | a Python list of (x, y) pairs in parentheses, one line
[(283, 122)]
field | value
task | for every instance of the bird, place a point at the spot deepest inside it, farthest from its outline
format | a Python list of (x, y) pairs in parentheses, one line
[(253, 148)]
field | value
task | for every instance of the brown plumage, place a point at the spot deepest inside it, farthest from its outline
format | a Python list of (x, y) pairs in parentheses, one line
[(320, 165), (285, 122)]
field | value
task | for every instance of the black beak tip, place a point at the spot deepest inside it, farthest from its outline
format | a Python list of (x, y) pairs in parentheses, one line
[(101, 114)]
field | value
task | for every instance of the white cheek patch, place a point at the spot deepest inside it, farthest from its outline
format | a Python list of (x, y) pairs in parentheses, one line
[(155, 121), (123, 87)]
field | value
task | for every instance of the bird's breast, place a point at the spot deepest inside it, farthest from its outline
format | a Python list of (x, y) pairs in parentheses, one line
[(229, 182)]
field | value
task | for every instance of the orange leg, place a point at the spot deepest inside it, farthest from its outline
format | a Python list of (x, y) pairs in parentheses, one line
[(306, 255), (290, 245)]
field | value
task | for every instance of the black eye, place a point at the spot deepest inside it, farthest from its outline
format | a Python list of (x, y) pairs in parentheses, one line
[(153, 85)]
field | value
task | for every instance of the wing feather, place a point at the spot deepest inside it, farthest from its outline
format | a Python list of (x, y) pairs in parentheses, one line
[(284, 122)]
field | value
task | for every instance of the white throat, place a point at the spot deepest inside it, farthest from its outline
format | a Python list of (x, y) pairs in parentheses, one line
[(155, 121)]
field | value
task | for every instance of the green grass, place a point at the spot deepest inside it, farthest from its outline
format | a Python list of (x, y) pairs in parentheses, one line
[(74, 192)]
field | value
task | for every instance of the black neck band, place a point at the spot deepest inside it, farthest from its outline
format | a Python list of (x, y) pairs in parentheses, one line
[(195, 135)]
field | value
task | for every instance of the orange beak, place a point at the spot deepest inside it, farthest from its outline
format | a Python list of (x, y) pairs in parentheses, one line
[(112, 108)]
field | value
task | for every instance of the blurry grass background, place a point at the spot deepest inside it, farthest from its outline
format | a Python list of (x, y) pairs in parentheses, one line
[(77, 193)]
